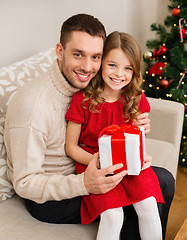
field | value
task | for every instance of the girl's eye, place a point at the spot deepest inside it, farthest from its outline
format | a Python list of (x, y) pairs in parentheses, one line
[(128, 68), (112, 65)]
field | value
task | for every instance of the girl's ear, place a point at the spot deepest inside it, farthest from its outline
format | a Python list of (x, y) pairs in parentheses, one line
[(59, 51)]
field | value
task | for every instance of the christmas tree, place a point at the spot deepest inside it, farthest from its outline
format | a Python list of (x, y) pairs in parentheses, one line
[(165, 75)]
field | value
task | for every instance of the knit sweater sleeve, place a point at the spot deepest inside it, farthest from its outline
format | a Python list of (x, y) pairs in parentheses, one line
[(29, 179), (35, 136)]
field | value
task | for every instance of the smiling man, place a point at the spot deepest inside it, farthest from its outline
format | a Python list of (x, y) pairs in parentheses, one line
[(35, 129), (80, 58)]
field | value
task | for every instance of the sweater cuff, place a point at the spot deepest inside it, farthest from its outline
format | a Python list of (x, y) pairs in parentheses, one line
[(81, 186)]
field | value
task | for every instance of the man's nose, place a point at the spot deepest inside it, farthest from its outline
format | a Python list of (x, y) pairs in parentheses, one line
[(87, 65)]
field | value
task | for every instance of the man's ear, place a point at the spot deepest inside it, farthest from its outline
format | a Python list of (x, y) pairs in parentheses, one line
[(59, 51)]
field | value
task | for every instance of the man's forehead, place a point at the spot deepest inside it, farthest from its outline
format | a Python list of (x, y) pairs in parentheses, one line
[(82, 41)]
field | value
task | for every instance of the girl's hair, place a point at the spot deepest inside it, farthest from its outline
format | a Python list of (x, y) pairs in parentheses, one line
[(131, 92)]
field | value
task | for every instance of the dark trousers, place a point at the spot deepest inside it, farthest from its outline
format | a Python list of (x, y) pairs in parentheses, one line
[(68, 211)]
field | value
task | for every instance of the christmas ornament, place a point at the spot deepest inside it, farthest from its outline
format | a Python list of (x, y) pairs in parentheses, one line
[(164, 83), (159, 52), (163, 50), (186, 109), (156, 53), (183, 31), (175, 12), (157, 69), (148, 54)]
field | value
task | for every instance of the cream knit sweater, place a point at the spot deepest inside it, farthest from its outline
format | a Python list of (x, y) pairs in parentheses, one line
[(35, 137)]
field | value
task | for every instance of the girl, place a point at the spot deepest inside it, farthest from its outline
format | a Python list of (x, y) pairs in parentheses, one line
[(114, 97)]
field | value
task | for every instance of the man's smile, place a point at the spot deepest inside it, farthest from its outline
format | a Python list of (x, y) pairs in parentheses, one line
[(83, 76)]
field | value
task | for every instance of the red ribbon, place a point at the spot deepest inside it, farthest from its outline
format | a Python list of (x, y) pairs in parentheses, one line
[(118, 142)]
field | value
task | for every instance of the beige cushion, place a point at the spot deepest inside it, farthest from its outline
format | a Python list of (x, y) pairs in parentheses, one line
[(162, 152), (17, 224), (163, 142), (11, 79)]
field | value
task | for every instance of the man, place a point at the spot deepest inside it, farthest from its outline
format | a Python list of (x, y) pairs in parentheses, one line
[(35, 128)]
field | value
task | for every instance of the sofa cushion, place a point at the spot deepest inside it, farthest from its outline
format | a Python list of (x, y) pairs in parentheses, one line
[(11, 79), (162, 152), (17, 223)]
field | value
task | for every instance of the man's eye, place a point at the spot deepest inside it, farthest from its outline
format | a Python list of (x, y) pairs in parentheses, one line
[(96, 57), (78, 55)]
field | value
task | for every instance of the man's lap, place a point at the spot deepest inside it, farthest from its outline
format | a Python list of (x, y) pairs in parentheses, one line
[(68, 211), (64, 212)]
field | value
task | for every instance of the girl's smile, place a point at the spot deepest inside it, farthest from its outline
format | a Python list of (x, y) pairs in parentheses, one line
[(117, 72), (117, 80)]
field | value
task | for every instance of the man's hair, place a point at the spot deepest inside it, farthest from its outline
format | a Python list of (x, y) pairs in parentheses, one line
[(84, 23)]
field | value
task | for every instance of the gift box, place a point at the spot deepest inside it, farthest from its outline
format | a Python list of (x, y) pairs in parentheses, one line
[(122, 144)]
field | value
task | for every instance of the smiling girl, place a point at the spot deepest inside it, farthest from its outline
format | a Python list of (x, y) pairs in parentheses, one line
[(114, 96)]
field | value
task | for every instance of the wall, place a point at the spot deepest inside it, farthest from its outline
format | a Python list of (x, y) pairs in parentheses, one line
[(27, 27)]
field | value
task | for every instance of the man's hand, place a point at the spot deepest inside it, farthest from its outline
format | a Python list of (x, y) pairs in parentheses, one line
[(144, 121), (147, 162), (96, 181)]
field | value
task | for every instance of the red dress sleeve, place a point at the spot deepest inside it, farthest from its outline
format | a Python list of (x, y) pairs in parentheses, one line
[(75, 112), (144, 104)]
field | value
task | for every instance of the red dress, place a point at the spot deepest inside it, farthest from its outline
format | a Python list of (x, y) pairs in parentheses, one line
[(131, 189)]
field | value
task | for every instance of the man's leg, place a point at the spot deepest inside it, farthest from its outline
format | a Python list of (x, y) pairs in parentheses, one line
[(167, 184), (65, 211), (130, 229)]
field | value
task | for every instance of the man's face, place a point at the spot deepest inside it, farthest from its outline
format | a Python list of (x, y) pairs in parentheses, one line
[(81, 58)]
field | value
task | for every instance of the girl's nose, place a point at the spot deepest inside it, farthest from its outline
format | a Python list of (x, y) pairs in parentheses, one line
[(119, 72)]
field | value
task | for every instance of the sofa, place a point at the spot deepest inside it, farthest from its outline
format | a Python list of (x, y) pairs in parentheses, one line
[(16, 223)]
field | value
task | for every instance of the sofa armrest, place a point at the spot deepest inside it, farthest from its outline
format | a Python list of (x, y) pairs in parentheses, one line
[(166, 120), (163, 142)]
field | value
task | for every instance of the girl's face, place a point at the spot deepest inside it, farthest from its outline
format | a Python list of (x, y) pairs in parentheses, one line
[(117, 70)]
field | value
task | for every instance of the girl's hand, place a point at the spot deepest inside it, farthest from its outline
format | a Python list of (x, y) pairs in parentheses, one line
[(144, 121), (147, 162)]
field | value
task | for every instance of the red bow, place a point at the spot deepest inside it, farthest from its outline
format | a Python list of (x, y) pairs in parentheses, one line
[(115, 129)]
